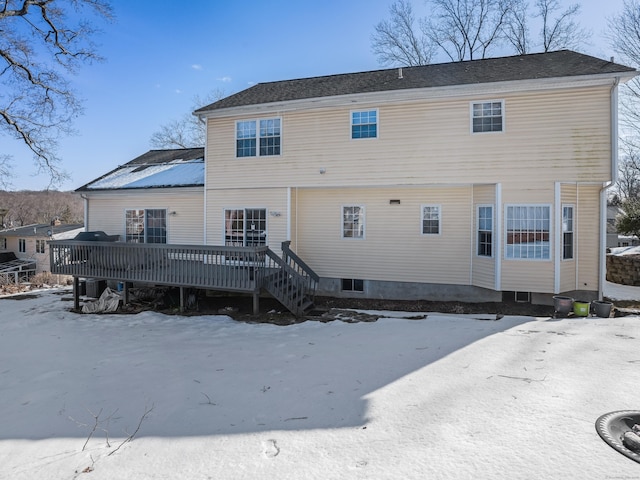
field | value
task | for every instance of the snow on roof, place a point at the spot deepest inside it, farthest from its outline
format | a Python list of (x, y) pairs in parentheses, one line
[(171, 174)]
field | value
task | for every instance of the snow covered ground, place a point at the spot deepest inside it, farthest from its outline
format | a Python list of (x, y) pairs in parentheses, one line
[(442, 397)]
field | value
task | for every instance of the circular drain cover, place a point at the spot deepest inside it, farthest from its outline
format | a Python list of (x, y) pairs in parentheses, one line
[(611, 427)]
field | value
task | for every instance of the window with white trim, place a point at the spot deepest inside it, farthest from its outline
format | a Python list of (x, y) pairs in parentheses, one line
[(353, 221), (487, 116), (40, 244), (364, 124), (567, 232), (430, 219), (245, 227), (485, 230), (22, 245), (146, 225), (528, 229), (258, 137)]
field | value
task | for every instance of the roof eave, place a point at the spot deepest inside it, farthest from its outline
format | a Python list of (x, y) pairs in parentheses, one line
[(400, 95)]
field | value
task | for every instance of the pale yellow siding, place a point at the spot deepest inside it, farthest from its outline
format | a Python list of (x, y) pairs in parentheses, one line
[(549, 136), (186, 226), (588, 237), (394, 247), (425, 153)]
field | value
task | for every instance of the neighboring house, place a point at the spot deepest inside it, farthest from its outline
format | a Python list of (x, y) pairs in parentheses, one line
[(30, 242), (156, 198), (614, 238), (448, 181)]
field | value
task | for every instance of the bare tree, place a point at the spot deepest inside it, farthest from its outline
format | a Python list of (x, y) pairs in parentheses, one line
[(397, 42), (516, 30), (41, 44), (628, 184), (5, 171), (188, 131), (467, 29), (559, 28), (624, 36)]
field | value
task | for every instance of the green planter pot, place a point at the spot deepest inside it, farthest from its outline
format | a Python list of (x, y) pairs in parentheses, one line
[(581, 309)]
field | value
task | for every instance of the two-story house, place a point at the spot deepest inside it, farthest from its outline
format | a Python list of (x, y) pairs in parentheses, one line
[(457, 181)]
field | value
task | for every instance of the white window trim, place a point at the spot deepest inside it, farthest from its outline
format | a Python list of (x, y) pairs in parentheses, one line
[(493, 229), (364, 222), (224, 223), (377, 124), (257, 120), (124, 224), (475, 102), (505, 230), (573, 231), (439, 219)]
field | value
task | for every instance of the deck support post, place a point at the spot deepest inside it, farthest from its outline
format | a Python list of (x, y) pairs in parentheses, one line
[(256, 303), (125, 289), (182, 299), (76, 293)]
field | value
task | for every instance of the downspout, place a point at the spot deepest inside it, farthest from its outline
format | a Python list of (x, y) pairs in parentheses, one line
[(607, 186), (86, 210)]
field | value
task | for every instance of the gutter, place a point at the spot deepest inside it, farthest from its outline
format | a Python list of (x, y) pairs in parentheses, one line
[(603, 191)]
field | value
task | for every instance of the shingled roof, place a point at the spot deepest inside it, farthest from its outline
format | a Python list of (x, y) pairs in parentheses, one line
[(563, 63), (178, 167)]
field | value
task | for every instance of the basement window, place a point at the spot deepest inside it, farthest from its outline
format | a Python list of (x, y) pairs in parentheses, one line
[(352, 285)]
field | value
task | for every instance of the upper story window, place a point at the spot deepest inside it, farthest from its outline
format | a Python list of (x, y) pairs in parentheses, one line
[(22, 245), (353, 221), (258, 137), (40, 246), (430, 219), (364, 124), (487, 116)]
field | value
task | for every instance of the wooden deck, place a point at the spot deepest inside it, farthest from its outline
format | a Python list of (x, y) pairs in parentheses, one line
[(234, 269)]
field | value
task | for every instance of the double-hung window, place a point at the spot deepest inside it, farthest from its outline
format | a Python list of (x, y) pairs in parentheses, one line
[(146, 226), (567, 232), (364, 124), (528, 232), (40, 244), (22, 245), (430, 219), (245, 227), (353, 221), (258, 137), (485, 230), (487, 116)]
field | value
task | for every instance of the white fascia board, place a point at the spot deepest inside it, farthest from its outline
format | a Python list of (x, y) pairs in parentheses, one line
[(410, 94)]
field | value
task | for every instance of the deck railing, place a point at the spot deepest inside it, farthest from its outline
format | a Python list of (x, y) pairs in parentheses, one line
[(203, 266), (227, 268)]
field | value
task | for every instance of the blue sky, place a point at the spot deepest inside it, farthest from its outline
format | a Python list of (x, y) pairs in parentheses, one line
[(161, 53)]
